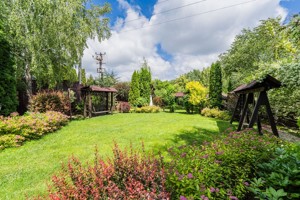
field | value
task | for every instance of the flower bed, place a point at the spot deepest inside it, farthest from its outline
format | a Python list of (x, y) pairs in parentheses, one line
[(16, 129), (221, 169)]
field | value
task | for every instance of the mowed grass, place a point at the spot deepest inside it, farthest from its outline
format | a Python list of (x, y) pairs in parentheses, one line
[(25, 171)]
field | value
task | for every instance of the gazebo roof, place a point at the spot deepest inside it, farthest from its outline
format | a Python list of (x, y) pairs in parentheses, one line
[(266, 84), (95, 88), (179, 94)]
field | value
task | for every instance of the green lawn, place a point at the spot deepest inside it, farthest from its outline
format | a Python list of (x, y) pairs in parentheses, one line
[(26, 170)]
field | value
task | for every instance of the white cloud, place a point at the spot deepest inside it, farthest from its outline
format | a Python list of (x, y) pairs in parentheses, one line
[(194, 42)]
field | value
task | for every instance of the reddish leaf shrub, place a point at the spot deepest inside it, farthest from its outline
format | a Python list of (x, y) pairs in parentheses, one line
[(158, 101), (123, 107), (14, 130), (50, 101), (125, 176)]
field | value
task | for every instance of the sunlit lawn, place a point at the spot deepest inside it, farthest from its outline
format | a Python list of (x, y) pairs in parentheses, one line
[(26, 170)]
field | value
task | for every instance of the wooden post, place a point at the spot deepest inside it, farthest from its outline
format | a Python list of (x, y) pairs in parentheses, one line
[(111, 101), (236, 107), (107, 98), (84, 104), (244, 112), (270, 114), (90, 104)]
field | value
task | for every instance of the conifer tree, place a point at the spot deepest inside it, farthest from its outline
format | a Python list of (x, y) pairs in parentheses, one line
[(145, 82), (215, 85), (8, 94), (134, 92)]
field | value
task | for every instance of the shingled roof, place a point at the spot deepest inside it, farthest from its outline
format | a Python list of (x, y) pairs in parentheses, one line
[(266, 84), (95, 88)]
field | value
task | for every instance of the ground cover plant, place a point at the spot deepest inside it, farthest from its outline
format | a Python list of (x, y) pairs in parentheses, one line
[(221, 169), (147, 109), (130, 174), (14, 130), (28, 169), (215, 113)]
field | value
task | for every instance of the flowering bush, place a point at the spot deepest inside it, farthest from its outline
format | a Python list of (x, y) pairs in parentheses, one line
[(147, 109), (14, 130), (219, 169), (123, 107), (125, 176), (50, 101), (215, 113)]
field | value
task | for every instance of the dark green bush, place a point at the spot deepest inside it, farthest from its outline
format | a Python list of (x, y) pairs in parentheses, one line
[(221, 169), (279, 177)]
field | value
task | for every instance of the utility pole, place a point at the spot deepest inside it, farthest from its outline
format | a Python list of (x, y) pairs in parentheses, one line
[(99, 58)]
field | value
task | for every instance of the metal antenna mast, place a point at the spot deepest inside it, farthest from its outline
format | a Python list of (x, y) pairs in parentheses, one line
[(99, 58)]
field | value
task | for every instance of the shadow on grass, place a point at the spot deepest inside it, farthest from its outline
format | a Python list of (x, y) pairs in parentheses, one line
[(194, 136)]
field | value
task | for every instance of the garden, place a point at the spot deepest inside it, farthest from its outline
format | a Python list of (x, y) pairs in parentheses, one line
[(203, 135)]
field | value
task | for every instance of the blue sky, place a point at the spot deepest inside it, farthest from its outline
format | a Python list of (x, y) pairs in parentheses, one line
[(200, 30)]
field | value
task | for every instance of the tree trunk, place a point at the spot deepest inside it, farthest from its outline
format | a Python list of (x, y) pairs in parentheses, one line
[(28, 79)]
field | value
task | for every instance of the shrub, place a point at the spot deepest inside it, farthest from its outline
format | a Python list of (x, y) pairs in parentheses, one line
[(123, 107), (218, 169), (279, 176), (298, 122), (158, 101), (215, 113), (30, 126), (125, 176), (147, 109), (50, 101)]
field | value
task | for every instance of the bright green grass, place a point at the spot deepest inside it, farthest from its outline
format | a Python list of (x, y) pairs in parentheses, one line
[(26, 170)]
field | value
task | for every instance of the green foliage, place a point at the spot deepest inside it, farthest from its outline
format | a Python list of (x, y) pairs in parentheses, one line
[(147, 109), (298, 122), (219, 169), (123, 89), (134, 92), (128, 175), (50, 101), (215, 85), (83, 77), (90, 80), (140, 102), (215, 113), (165, 91), (14, 130), (109, 79), (48, 35), (195, 96), (279, 177), (8, 94), (145, 81), (197, 75)]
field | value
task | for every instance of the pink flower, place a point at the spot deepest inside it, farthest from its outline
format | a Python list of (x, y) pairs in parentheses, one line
[(233, 198), (190, 175), (246, 183), (212, 189), (183, 198)]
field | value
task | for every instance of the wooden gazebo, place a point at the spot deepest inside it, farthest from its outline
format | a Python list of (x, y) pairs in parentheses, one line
[(97, 100), (246, 98)]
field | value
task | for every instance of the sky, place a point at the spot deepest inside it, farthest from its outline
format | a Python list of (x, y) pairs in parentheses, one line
[(176, 36)]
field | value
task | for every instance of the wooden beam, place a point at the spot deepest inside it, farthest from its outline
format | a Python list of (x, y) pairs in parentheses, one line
[(239, 101), (84, 104), (270, 114), (244, 111), (90, 104)]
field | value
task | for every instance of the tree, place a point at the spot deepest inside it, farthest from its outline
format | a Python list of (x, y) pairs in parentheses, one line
[(196, 94), (8, 95), (215, 85), (83, 77), (145, 81), (123, 91), (109, 79), (134, 92), (90, 80), (48, 35)]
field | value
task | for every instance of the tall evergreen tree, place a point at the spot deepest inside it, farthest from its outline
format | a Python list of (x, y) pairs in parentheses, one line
[(83, 77), (134, 92), (215, 85), (145, 81), (8, 94)]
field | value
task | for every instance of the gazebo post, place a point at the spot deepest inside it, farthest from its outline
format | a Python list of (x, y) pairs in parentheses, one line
[(84, 104), (111, 101), (90, 104), (236, 107)]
